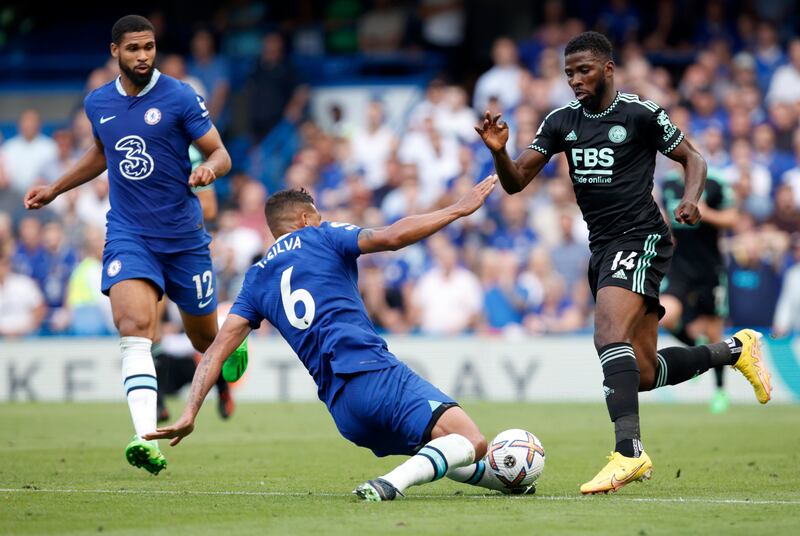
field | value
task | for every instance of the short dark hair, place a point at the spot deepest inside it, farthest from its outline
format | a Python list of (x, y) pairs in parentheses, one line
[(278, 203), (596, 43), (128, 24)]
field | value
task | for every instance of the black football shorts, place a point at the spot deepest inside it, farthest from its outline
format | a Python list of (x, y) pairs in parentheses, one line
[(636, 262), (700, 296)]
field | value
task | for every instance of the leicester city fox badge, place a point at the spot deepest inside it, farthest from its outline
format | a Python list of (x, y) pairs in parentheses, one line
[(617, 134)]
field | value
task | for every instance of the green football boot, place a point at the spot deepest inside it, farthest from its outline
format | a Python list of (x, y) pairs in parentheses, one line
[(377, 490), (233, 368), (719, 402), (145, 454)]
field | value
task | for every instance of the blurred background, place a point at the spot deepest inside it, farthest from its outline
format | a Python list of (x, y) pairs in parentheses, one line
[(369, 104)]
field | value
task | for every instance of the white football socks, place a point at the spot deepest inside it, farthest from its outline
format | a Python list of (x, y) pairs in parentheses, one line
[(477, 474), (139, 378), (432, 462)]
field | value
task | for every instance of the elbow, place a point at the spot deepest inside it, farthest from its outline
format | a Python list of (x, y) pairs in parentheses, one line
[(226, 164), (511, 189)]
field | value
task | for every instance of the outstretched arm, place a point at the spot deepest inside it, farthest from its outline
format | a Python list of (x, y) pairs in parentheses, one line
[(90, 165), (230, 336), (513, 175), (412, 229), (694, 172)]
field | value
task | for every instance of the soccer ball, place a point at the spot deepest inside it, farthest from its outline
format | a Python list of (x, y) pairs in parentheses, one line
[(516, 457)]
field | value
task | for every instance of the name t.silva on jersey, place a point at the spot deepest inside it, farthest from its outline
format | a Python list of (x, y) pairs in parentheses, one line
[(282, 245)]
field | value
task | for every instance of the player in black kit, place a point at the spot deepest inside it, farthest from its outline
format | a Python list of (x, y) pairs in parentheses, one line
[(694, 293), (610, 140)]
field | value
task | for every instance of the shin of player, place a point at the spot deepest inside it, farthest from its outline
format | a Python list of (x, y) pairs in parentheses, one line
[(456, 443)]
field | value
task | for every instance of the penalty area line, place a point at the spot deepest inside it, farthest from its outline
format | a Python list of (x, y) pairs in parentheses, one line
[(243, 493)]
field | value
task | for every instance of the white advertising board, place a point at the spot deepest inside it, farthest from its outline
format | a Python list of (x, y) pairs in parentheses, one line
[(467, 368)]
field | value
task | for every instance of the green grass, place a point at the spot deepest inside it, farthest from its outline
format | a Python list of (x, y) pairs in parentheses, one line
[(283, 469)]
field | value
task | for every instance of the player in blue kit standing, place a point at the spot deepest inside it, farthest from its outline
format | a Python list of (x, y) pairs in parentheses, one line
[(156, 243), (307, 287)]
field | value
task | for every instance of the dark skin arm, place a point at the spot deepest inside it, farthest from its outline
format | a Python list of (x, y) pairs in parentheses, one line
[(230, 336), (694, 172), (412, 229), (514, 175), (90, 165)]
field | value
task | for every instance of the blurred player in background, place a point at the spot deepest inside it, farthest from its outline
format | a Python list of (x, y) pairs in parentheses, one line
[(143, 123), (610, 140), (307, 287), (695, 291), (175, 369)]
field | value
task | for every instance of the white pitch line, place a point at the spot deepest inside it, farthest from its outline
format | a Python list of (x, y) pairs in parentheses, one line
[(788, 502)]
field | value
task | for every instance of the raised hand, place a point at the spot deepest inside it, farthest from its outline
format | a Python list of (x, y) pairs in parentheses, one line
[(38, 196), (493, 133), (475, 198)]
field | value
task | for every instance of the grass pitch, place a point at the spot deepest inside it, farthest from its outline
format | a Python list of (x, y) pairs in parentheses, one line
[(283, 469)]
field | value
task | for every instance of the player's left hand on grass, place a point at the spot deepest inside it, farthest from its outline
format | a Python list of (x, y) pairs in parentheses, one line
[(475, 198), (176, 432), (687, 212), (202, 175)]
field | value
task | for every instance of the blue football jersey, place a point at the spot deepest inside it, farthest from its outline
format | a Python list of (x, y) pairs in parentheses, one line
[(146, 140), (307, 287)]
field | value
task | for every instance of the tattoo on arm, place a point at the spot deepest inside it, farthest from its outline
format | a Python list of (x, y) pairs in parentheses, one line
[(196, 395), (364, 240)]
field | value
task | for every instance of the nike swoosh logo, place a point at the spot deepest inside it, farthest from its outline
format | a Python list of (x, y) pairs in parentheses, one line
[(203, 304), (618, 483), (106, 119)]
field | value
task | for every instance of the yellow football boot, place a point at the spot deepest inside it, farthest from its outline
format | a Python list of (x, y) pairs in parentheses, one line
[(752, 366), (619, 471)]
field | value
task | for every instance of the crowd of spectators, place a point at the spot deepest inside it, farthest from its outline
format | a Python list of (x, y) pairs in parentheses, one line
[(518, 265)]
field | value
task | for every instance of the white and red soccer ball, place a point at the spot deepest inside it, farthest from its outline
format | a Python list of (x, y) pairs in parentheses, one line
[(516, 457)]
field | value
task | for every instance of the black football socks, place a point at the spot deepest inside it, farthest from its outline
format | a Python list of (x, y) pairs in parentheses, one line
[(621, 386), (677, 364), (630, 448)]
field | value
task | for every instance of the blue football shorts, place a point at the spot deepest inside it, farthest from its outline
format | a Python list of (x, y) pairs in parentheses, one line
[(185, 274), (389, 411)]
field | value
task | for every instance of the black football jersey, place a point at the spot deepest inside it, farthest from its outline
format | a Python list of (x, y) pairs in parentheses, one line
[(696, 246), (611, 155)]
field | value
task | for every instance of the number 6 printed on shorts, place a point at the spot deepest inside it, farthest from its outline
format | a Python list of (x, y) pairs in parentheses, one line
[(290, 299)]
